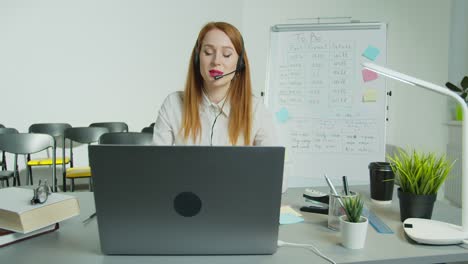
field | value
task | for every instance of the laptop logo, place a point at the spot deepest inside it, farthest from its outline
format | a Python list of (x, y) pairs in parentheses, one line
[(187, 204)]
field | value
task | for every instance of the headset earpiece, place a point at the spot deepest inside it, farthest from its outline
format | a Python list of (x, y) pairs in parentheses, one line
[(240, 62)]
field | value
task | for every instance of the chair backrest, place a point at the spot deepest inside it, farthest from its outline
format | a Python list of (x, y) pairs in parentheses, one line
[(1, 126), (112, 126), (25, 143), (149, 130), (8, 130), (53, 129), (127, 138), (152, 124), (85, 135)]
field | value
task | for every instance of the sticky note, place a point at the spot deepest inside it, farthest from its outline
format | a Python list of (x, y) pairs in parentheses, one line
[(370, 95), (282, 115), (287, 219), (286, 209), (371, 53), (368, 75)]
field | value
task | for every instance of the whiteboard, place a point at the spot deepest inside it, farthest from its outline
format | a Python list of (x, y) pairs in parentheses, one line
[(331, 116)]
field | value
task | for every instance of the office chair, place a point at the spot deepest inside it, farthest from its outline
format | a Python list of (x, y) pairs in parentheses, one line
[(56, 130), (127, 138), (26, 143), (112, 126), (83, 135)]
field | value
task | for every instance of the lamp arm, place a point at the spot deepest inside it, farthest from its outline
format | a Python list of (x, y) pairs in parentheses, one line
[(442, 90)]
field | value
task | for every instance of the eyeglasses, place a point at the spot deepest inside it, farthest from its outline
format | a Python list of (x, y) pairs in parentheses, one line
[(41, 193)]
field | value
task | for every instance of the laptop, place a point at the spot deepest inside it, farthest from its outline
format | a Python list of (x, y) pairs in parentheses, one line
[(187, 200)]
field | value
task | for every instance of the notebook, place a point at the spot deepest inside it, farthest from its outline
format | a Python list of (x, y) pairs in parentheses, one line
[(187, 200)]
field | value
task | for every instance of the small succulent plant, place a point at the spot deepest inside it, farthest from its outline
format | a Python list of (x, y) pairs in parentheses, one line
[(353, 208)]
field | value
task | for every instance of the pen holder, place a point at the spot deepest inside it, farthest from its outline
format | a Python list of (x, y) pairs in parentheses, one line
[(335, 209)]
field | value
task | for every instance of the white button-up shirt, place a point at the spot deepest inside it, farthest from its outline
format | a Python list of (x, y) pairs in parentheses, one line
[(169, 121)]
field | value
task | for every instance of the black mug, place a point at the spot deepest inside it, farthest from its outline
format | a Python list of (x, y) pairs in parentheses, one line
[(382, 180)]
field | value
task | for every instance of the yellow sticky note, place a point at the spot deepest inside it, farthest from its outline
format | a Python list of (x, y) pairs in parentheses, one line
[(286, 209), (370, 95)]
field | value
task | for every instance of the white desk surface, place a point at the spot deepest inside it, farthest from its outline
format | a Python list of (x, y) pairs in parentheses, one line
[(78, 243)]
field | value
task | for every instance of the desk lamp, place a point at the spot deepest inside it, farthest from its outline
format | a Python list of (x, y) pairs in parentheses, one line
[(429, 231)]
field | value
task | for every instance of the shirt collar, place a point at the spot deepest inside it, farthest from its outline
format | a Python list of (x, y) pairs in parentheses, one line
[(207, 104)]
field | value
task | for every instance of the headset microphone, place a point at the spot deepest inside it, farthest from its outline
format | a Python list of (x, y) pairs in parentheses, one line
[(221, 76)]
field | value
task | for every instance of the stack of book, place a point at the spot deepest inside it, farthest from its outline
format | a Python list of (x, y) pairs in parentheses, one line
[(20, 220)]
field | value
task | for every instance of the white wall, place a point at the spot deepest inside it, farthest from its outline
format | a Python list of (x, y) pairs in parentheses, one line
[(458, 52), (88, 61)]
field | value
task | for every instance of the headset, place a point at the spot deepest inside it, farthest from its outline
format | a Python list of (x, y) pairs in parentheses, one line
[(240, 61)]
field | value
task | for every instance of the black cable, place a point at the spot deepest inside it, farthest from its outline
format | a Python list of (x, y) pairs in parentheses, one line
[(216, 118)]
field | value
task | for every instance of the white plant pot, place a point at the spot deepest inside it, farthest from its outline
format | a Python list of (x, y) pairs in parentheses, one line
[(353, 235)]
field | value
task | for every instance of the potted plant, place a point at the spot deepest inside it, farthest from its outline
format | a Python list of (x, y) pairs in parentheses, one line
[(419, 176), (463, 92), (353, 225)]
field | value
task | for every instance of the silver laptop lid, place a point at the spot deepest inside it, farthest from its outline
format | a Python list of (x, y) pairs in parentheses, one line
[(186, 199)]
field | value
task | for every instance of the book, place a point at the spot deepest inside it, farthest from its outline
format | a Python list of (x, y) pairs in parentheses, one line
[(8, 237), (19, 215)]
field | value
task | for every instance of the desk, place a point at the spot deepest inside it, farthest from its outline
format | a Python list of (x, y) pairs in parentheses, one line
[(78, 243)]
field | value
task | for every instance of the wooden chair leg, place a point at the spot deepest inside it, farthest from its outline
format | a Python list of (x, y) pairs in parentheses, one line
[(72, 188)]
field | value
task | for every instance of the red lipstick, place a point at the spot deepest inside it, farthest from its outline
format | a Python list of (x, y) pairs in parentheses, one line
[(214, 73)]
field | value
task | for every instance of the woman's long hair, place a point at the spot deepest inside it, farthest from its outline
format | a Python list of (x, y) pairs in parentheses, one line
[(239, 95)]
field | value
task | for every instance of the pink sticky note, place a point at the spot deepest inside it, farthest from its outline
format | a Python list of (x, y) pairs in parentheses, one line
[(368, 75)]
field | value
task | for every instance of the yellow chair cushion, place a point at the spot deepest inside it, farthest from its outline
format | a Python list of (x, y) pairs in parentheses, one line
[(78, 172), (46, 161)]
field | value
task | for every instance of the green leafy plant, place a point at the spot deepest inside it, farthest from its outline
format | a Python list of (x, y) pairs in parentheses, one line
[(353, 208), (463, 91), (420, 173)]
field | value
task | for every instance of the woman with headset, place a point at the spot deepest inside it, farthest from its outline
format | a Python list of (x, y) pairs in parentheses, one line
[(217, 106)]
